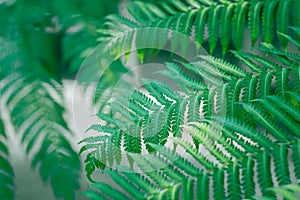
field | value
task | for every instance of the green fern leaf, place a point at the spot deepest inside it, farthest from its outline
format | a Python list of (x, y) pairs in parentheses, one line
[(202, 187), (247, 131), (248, 62), (289, 191), (189, 149), (208, 143), (238, 24), (281, 165), (210, 70), (212, 134), (268, 20), (287, 106), (284, 193), (178, 118), (194, 108), (283, 19), (255, 20), (225, 25), (263, 118), (265, 84), (263, 172), (149, 170), (213, 24), (224, 66), (105, 190), (133, 140), (283, 117), (177, 160), (233, 91), (288, 38), (125, 184), (168, 8), (247, 177), (200, 24), (218, 183), (264, 62), (250, 89), (141, 181), (282, 81), (233, 188), (49, 128), (295, 157), (296, 17)]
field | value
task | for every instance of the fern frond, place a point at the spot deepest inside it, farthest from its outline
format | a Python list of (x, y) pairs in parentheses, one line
[(281, 165), (289, 191), (265, 84), (282, 81), (248, 62), (234, 188), (295, 157), (283, 20), (56, 156), (247, 131), (218, 182), (213, 23), (255, 20), (264, 118), (250, 88), (248, 183), (263, 171), (128, 186), (246, 57), (287, 106), (210, 70), (289, 38), (281, 115), (212, 133), (296, 18), (190, 150), (190, 17), (224, 66), (258, 128), (106, 190), (268, 21), (238, 23), (226, 15), (200, 22), (208, 143), (178, 75)]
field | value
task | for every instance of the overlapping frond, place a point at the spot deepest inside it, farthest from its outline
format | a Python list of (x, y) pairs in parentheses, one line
[(231, 123), (241, 121), (225, 21), (180, 177), (255, 98)]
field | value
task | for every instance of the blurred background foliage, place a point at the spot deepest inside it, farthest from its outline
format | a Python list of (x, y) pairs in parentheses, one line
[(43, 42), (56, 35)]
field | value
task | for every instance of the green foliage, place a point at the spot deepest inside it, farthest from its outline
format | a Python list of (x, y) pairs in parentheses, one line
[(6, 170), (36, 112), (31, 88), (241, 121), (225, 20), (288, 191), (68, 30)]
